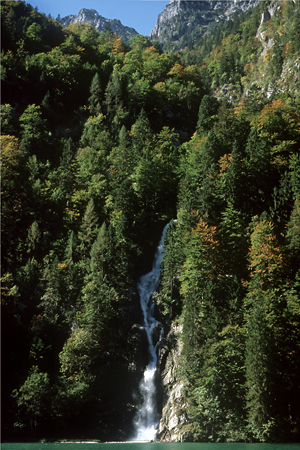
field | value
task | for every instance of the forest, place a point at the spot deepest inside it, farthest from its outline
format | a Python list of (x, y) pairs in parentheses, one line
[(102, 144)]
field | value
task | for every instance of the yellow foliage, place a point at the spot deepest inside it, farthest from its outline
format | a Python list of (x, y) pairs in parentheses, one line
[(207, 232), (119, 47), (9, 155), (265, 254), (224, 163), (177, 71), (267, 56), (150, 52), (160, 87), (7, 283), (192, 73), (278, 120)]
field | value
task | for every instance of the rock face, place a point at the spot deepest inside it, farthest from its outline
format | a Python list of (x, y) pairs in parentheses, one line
[(266, 15), (192, 17), (139, 345), (174, 416), (289, 76), (100, 23)]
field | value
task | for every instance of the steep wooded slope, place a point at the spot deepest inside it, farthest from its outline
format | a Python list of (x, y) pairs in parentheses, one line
[(101, 146), (231, 270)]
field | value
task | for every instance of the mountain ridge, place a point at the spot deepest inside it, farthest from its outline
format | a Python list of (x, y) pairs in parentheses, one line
[(101, 23)]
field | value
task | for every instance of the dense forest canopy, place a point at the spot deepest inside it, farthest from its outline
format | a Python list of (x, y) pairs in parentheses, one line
[(102, 144)]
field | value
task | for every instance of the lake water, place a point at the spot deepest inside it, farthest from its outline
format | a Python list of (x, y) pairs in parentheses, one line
[(146, 446)]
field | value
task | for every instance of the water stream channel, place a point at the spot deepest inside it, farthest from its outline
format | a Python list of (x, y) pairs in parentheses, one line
[(147, 419)]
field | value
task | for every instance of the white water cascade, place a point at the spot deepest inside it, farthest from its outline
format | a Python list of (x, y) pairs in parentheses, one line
[(147, 418)]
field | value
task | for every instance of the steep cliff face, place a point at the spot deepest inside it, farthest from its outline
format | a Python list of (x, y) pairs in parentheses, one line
[(277, 68), (100, 23), (172, 426), (266, 16), (182, 18)]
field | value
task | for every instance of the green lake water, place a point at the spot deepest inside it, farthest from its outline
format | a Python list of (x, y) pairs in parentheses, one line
[(147, 446)]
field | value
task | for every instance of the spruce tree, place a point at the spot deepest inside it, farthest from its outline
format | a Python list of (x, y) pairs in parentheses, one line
[(88, 230), (95, 98)]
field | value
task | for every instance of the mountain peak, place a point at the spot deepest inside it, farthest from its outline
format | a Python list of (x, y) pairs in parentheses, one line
[(100, 23)]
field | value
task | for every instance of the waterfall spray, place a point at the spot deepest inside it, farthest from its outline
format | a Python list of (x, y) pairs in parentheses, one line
[(147, 418)]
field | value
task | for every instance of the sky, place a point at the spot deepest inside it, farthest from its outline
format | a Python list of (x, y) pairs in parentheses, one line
[(138, 14)]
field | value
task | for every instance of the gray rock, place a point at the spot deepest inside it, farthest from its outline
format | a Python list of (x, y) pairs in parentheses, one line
[(139, 344), (182, 16), (92, 16), (174, 416)]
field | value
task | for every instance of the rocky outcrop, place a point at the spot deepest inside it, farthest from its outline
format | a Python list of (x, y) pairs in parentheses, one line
[(182, 17), (266, 16), (100, 23), (138, 343), (174, 415), (176, 9), (288, 78)]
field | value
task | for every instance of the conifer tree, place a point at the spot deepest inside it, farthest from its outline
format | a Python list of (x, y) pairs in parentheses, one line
[(96, 95), (141, 131), (207, 113), (260, 366), (113, 93), (98, 252), (88, 229)]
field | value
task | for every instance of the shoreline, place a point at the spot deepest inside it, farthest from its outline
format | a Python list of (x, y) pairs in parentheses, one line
[(105, 442)]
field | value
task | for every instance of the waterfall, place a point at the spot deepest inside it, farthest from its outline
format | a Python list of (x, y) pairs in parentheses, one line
[(147, 418)]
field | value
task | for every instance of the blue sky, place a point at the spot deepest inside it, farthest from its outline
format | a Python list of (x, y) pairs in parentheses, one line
[(138, 14)]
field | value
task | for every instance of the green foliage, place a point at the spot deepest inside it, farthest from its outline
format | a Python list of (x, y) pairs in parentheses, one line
[(7, 126), (34, 398), (259, 365), (294, 228), (168, 295), (76, 355), (218, 406), (101, 144), (33, 129), (88, 228), (95, 98), (207, 112)]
